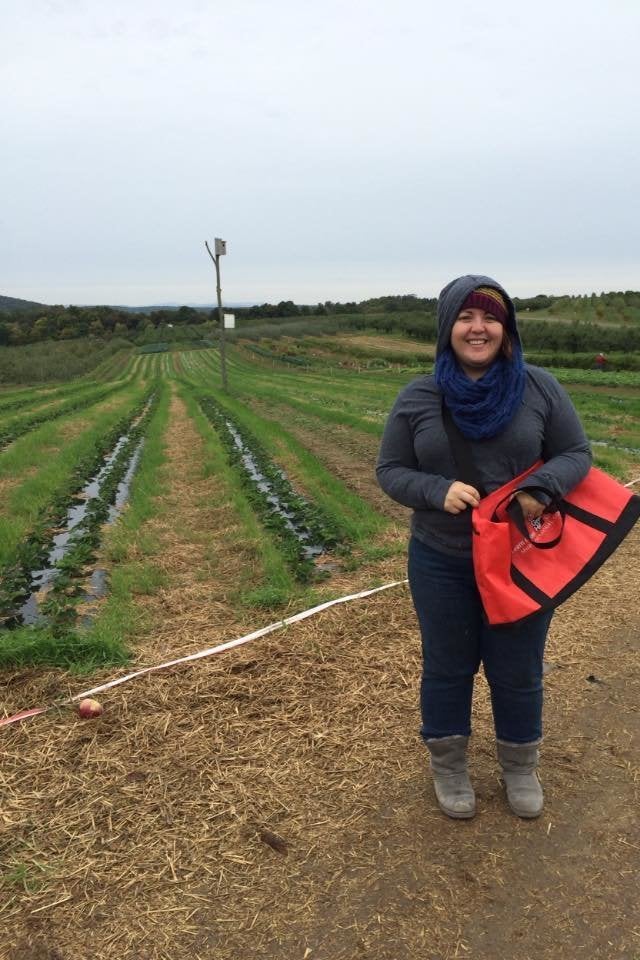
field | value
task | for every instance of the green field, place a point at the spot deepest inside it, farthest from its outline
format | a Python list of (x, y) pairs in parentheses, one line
[(310, 413)]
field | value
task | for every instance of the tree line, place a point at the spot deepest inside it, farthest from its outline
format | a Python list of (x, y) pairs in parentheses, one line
[(405, 312)]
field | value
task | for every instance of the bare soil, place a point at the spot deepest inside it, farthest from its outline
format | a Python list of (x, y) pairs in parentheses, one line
[(385, 344), (274, 801)]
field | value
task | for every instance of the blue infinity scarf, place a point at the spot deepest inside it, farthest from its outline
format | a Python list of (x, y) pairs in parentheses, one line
[(482, 408)]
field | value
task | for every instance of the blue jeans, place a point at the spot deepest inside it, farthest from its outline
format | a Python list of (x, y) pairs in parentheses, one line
[(456, 640)]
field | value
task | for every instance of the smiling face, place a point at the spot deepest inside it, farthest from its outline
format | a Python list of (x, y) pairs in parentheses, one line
[(476, 339)]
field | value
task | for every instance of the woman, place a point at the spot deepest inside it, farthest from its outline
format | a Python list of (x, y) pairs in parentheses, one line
[(510, 414)]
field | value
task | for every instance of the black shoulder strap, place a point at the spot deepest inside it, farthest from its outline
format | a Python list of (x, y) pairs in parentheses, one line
[(461, 452)]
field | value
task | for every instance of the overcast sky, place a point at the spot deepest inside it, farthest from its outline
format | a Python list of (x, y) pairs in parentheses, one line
[(343, 149)]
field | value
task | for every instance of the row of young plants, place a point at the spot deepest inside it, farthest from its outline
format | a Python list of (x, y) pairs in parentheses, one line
[(607, 378), (315, 351), (371, 392), (33, 397), (303, 382), (350, 350), (29, 420), (34, 548), (299, 361), (301, 527), (30, 398), (363, 402), (116, 367), (103, 631), (336, 396), (60, 605), (628, 361)]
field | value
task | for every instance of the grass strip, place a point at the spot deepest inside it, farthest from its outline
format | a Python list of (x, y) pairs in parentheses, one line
[(338, 400), (25, 398), (36, 398), (114, 368), (624, 378), (30, 421)]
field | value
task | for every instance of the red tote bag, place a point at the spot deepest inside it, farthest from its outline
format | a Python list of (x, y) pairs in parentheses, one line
[(523, 567)]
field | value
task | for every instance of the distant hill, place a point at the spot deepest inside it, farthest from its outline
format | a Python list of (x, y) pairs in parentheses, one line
[(158, 306), (13, 304), (176, 306)]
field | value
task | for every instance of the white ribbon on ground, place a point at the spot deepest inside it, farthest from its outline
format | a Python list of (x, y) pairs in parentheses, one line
[(296, 618), (34, 711)]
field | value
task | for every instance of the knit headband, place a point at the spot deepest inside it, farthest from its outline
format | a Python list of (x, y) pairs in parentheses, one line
[(489, 300)]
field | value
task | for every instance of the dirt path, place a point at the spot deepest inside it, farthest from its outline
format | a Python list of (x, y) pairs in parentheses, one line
[(199, 550), (274, 803)]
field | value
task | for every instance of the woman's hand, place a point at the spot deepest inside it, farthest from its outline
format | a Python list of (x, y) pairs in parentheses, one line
[(531, 508), (460, 496)]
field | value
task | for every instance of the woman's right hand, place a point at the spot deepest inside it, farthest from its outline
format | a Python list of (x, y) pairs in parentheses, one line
[(460, 496)]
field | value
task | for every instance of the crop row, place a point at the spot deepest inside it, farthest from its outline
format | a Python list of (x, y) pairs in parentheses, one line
[(330, 351), (346, 398), (32, 398), (296, 360), (608, 378), (361, 402), (59, 607), (301, 527), (117, 367), (23, 398), (20, 425), (32, 550), (312, 350)]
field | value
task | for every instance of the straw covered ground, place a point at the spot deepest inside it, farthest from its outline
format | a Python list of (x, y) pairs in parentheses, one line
[(274, 802)]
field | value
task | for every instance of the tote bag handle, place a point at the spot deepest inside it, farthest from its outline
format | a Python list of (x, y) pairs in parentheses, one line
[(514, 509)]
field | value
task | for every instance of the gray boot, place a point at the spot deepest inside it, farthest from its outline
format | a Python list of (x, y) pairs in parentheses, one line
[(454, 792), (519, 762)]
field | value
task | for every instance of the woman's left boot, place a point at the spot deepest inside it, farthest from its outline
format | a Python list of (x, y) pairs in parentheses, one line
[(451, 783), (519, 762)]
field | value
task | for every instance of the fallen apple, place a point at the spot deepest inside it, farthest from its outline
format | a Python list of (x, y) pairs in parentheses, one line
[(89, 708)]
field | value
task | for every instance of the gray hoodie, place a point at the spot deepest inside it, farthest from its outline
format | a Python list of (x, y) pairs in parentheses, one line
[(416, 467)]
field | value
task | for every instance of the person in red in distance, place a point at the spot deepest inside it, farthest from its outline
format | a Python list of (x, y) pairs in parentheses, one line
[(511, 415), (600, 362)]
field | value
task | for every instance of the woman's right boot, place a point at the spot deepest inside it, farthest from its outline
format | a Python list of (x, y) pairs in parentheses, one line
[(453, 789)]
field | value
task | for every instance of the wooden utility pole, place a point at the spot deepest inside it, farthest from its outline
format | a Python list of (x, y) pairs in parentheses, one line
[(220, 247)]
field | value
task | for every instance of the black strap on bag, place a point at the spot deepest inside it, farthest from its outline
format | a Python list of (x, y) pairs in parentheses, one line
[(461, 452)]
